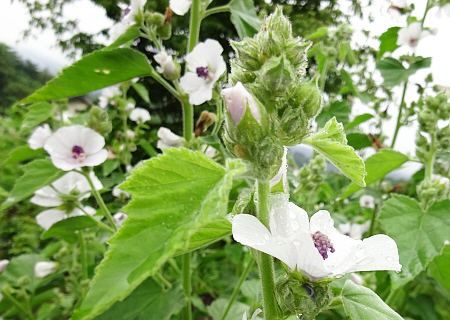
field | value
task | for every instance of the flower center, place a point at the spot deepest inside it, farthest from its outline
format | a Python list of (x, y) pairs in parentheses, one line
[(126, 11), (413, 42), (202, 72), (77, 152), (322, 243)]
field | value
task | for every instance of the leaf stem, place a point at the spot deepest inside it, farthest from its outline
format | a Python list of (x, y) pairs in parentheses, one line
[(219, 118), (215, 10), (100, 201), (265, 263), (372, 221), (238, 287), (186, 267), (27, 313), (397, 127), (323, 75), (83, 255), (428, 7), (99, 223), (155, 75), (162, 279), (430, 161)]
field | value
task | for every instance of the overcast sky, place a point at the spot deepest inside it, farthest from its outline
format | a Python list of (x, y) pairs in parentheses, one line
[(42, 51)]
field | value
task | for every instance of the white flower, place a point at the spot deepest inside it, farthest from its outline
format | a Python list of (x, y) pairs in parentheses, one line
[(133, 10), (255, 314), (140, 115), (205, 65), (49, 217), (395, 8), (119, 218), (166, 65), (39, 136), (367, 201), (44, 268), (129, 106), (313, 247), (168, 139), (399, 3), (76, 146), (354, 230), (411, 35), (237, 99), (71, 184), (180, 7), (116, 192), (356, 278), (107, 94), (211, 152), (130, 134), (3, 264), (281, 172), (445, 8), (117, 30)]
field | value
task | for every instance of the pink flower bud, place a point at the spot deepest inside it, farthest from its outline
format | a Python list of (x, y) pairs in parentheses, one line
[(236, 99)]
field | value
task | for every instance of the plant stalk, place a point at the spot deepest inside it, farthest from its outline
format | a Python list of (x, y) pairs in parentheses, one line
[(155, 75), (99, 223), (397, 127), (194, 24), (430, 161), (426, 11), (186, 269), (83, 255), (27, 313), (215, 10), (265, 263)]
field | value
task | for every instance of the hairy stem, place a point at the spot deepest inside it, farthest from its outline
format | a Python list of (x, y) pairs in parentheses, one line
[(186, 267), (99, 223), (265, 263), (194, 24), (83, 255), (399, 117), (155, 75)]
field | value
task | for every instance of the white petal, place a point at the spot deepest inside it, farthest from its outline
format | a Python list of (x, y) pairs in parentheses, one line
[(249, 231), (202, 95), (237, 98), (446, 9), (414, 30), (140, 115), (94, 159), (309, 261), (169, 138), (44, 268), (39, 137), (281, 172), (46, 197), (3, 264), (114, 33), (180, 7), (286, 219), (48, 217)]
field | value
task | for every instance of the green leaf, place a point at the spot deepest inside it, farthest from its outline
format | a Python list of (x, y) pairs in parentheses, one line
[(94, 71), (130, 34), (37, 113), (439, 269), (388, 41), (244, 18), (377, 166), (419, 235), (21, 266), (37, 174), (346, 51), (318, 33), (65, 229), (361, 303), (358, 140), (23, 153), (218, 307), (210, 233), (358, 120), (174, 195), (109, 166), (332, 144), (147, 302), (394, 73), (339, 109), (142, 91)]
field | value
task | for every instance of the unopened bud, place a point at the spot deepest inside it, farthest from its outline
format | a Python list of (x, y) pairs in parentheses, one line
[(167, 67), (99, 121), (311, 97), (3, 264), (237, 99), (204, 121)]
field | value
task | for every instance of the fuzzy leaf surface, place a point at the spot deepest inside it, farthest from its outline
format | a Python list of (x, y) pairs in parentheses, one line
[(174, 195), (439, 268), (419, 235), (244, 18), (94, 71)]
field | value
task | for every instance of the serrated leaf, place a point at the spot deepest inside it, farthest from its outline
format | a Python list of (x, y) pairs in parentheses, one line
[(174, 195), (439, 269), (65, 229), (142, 91), (361, 303), (23, 153), (358, 120), (377, 166), (130, 34), (339, 109), (358, 140), (94, 71), (394, 73), (210, 233), (148, 301), (419, 235), (388, 41), (332, 144), (37, 113), (37, 174), (244, 18)]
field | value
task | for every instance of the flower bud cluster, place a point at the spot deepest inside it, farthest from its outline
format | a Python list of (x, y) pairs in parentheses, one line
[(98, 120), (159, 24), (270, 106), (310, 175), (432, 190)]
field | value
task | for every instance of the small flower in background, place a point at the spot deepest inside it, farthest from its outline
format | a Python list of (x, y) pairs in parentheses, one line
[(396, 8), (354, 230), (255, 314), (140, 115), (116, 192), (130, 134), (76, 146), (444, 9), (44, 268), (130, 106), (119, 218), (211, 152), (314, 248), (129, 168), (72, 184), (39, 137), (3, 264), (128, 19), (166, 66), (168, 139), (107, 94), (49, 217), (356, 278), (237, 98), (367, 201), (205, 65), (180, 7), (411, 35), (116, 31)]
